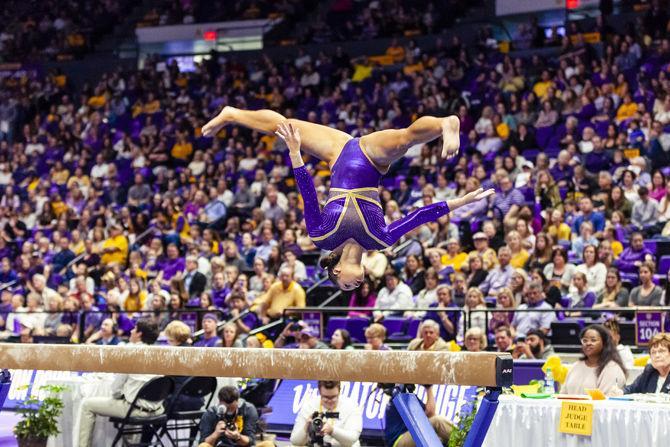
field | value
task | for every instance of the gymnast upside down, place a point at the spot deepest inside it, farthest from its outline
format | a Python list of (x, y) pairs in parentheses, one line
[(352, 221)]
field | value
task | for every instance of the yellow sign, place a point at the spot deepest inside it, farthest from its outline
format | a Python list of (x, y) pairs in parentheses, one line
[(576, 418)]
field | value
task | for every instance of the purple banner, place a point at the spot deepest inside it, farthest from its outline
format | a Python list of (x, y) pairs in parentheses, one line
[(647, 324), (291, 394), (27, 383)]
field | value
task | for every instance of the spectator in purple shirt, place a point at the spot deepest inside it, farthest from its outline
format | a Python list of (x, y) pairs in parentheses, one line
[(597, 160), (635, 255), (209, 338), (7, 274), (501, 275), (92, 316), (507, 202), (173, 264), (219, 290), (448, 320), (240, 306), (5, 307), (472, 210), (562, 171), (364, 296)]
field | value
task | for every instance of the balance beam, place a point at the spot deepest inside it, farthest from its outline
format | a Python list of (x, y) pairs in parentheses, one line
[(458, 368)]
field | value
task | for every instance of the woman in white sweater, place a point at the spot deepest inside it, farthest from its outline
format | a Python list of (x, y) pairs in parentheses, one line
[(600, 366), (596, 272)]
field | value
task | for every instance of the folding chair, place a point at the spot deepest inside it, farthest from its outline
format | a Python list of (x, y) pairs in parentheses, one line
[(195, 387), (155, 390)]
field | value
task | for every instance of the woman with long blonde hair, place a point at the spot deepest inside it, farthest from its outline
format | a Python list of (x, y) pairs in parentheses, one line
[(473, 311)]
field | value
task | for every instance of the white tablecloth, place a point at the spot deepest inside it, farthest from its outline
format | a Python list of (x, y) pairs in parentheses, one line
[(88, 385), (530, 423), (95, 385)]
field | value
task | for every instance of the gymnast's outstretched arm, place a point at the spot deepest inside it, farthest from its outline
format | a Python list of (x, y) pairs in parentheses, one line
[(305, 183), (432, 212), (429, 213)]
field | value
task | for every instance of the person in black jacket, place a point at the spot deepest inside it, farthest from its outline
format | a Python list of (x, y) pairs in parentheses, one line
[(194, 281), (655, 378)]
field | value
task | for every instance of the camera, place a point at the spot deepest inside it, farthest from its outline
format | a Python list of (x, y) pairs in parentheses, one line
[(315, 427), (228, 418), (296, 327)]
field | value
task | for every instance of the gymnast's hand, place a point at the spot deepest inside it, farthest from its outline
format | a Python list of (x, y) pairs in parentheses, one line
[(470, 197), (291, 137)]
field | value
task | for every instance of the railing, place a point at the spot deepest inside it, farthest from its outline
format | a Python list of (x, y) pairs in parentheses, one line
[(7, 285), (193, 316), (387, 313), (193, 320), (581, 313)]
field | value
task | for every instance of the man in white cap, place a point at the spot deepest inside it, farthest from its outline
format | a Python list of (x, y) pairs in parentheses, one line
[(481, 241)]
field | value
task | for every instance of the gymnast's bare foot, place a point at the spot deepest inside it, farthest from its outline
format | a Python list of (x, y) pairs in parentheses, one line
[(214, 126), (451, 139)]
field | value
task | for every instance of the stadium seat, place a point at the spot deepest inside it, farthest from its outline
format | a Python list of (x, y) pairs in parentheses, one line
[(394, 325), (413, 327), (650, 245), (335, 323), (542, 135), (356, 327), (664, 265)]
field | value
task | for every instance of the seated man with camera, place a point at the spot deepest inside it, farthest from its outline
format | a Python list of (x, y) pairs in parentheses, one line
[(328, 419), (232, 423), (395, 430)]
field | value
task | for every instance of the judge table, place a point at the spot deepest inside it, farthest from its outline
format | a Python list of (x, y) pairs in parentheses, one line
[(520, 422)]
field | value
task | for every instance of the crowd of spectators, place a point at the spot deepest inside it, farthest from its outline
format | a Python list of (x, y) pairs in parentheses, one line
[(177, 12), (364, 20), (114, 206), (54, 29)]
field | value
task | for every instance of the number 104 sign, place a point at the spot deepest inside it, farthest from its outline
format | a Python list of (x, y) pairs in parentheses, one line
[(647, 324)]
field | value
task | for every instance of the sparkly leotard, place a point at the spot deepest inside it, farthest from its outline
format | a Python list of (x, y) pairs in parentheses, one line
[(353, 210)]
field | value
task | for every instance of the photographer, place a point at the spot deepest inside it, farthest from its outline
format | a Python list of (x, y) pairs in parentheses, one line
[(328, 419), (231, 423), (395, 431)]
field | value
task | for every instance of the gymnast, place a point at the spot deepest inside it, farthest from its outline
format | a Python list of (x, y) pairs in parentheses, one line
[(352, 220)]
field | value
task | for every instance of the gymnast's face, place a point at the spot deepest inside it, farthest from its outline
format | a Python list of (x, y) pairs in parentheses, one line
[(349, 276)]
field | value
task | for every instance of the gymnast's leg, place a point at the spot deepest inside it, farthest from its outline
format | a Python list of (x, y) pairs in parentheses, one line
[(386, 146), (323, 142)]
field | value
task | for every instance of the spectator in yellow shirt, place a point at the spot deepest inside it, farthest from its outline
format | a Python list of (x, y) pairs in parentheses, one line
[(182, 149), (152, 105), (396, 51), (115, 248), (282, 294), (137, 297), (59, 173), (540, 88), (626, 110), (454, 257), (519, 254), (57, 205), (411, 66), (481, 243), (98, 100), (558, 229), (362, 69)]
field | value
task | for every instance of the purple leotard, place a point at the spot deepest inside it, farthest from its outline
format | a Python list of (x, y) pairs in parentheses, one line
[(353, 210)]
